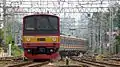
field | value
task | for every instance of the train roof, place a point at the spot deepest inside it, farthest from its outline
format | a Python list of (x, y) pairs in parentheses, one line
[(39, 15), (73, 37)]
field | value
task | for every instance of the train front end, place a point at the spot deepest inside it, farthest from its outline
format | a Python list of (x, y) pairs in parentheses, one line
[(41, 36)]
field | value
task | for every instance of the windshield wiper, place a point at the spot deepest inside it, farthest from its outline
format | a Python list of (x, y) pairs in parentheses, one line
[(44, 29)]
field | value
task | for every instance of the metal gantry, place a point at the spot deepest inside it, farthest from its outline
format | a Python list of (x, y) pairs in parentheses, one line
[(84, 23)]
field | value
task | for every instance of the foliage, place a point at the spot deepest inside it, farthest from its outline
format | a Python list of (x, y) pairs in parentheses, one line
[(117, 44), (9, 39), (1, 33), (16, 51), (1, 36)]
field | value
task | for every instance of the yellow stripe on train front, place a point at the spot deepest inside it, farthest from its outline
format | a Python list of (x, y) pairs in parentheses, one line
[(41, 39)]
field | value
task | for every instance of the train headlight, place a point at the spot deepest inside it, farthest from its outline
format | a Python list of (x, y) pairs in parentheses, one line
[(54, 39), (29, 50), (28, 39), (51, 50)]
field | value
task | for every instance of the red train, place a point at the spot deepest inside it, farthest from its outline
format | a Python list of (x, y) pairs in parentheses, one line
[(41, 36)]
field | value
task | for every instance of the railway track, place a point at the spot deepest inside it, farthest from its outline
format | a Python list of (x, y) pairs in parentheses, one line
[(91, 63), (11, 58), (78, 63), (29, 64), (6, 61), (19, 62)]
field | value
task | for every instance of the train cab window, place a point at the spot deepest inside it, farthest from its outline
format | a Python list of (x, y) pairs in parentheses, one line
[(47, 23), (41, 24), (29, 23)]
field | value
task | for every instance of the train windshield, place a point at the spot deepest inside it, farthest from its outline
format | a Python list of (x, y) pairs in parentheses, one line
[(46, 23), (41, 24), (29, 24)]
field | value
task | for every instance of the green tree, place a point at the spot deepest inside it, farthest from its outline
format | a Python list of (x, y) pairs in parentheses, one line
[(1, 36)]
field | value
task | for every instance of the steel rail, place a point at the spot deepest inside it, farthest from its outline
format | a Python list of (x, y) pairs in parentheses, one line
[(96, 63)]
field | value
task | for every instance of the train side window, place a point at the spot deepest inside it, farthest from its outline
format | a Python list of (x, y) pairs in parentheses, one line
[(78, 42), (65, 41), (71, 42), (75, 42), (62, 40)]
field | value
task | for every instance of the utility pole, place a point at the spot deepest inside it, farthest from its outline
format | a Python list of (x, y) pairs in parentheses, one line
[(4, 19), (110, 30)]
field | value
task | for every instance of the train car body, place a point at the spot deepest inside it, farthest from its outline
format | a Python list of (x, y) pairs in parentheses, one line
[(41, 36), (71, 46)]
